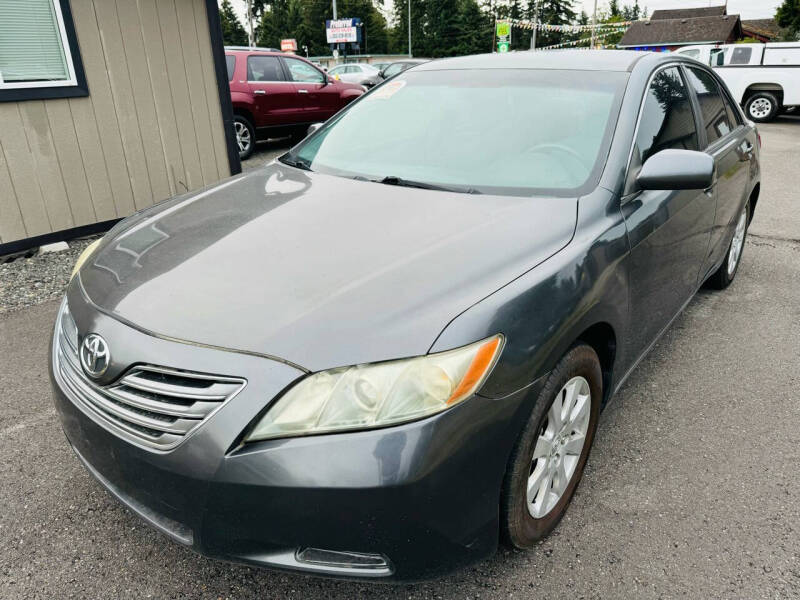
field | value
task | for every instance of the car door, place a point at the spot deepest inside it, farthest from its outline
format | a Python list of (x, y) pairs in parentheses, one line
[(322, 99), (726, 141), (275, 98), (668, 230)]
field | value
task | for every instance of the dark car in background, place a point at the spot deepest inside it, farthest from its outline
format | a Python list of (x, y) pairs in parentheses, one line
[(276, 94), (386, 351), (395, 68)]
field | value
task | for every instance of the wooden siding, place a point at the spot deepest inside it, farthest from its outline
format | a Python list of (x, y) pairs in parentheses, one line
[(150, 128)]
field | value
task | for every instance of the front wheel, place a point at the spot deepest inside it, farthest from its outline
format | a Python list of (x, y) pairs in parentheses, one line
[(762, 107), (723, 276), (548, 459)]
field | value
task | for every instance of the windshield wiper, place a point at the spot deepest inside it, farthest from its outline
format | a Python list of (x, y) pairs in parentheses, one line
[(296, 161), (393, 180)]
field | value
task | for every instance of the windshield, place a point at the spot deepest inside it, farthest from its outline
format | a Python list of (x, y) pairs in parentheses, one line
[(504, 131)]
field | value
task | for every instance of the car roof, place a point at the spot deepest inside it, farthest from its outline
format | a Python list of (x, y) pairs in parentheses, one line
[(248, 49), (584, 60)]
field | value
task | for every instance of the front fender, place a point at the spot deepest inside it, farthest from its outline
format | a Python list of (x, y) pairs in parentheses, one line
[(543, 312)]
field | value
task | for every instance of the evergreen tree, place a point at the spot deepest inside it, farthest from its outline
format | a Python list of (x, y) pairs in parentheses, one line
[(554, 12), (399, 35), (443, 28), (788, 17), (233, 33)]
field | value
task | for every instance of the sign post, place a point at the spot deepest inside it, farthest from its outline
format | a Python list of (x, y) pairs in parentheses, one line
[(503, 32)]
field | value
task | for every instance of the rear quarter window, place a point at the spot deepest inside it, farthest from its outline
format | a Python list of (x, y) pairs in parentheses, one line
[(741, 56), (230, 62)]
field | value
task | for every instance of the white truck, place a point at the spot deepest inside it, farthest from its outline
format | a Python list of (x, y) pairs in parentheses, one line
[(763, 78)]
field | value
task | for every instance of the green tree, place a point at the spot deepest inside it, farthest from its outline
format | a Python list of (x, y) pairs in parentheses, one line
[(555, 12), (788, 17), (233, 33)]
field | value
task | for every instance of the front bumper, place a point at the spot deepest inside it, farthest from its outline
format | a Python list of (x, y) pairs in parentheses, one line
[(424, 494)]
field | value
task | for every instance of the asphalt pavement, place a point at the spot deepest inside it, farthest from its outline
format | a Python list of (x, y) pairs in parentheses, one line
[(691, 491)]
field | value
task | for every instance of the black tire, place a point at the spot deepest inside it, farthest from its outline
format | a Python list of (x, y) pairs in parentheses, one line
[(246, 146), (298, 135), (762, 107), (519, 529), (724, 276)]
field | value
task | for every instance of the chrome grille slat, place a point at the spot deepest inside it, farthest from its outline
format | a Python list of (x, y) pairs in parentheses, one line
[(103, 403), (214, 392), (153, 406), (197, 410)]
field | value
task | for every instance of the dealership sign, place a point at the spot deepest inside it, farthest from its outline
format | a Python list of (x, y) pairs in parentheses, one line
[(503, 35), (342, 30), (289, 45)]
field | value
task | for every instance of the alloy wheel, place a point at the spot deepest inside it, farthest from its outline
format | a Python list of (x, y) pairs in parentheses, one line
[(243, 138), (738, 242), (559, 446)]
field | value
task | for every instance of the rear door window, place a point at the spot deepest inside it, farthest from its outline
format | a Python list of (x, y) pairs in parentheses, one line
[(230, 62), (716, 118), (264, 68)]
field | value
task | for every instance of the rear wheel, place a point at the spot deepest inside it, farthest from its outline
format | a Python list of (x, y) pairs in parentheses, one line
[(245, 136), (723, 276), (548, 459), (762, 107)]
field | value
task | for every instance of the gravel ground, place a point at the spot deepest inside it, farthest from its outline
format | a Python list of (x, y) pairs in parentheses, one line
[(27, 281)]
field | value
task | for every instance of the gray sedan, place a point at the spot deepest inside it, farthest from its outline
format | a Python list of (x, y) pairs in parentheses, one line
[(388, 350)]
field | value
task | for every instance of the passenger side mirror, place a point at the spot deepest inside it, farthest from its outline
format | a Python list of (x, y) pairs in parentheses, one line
[(312, 128), (677, 170)]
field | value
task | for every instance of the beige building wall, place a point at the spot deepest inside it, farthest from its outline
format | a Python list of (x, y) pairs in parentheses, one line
[(150, 128)]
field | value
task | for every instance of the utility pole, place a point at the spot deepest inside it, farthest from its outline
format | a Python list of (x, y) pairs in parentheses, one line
[(535, 24), (594, 25), (409, 30), (250, 36)]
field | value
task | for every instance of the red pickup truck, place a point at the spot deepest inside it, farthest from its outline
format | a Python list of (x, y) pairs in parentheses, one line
[(275, 94)]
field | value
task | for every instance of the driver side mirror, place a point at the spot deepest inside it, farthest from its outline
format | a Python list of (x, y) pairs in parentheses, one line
[(312, 128), (677, 170)]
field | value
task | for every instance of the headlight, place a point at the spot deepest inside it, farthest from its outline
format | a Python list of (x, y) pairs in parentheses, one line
[(84, 256), (376, 395)]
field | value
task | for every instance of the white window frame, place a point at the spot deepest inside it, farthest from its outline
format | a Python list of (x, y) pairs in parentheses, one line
[(71, 82)]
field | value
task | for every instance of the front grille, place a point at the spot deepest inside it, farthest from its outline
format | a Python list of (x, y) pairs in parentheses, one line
[(150, 405)]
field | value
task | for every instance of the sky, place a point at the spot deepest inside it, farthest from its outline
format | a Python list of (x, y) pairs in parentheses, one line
[(747, 9)]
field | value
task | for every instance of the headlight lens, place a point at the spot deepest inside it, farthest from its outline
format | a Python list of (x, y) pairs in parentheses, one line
[(84, 257), (376, 395)]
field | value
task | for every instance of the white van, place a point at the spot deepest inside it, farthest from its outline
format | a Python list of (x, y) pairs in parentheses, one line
[(764, 78)]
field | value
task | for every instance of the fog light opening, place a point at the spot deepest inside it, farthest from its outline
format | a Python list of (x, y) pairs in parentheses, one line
[(342, 559)]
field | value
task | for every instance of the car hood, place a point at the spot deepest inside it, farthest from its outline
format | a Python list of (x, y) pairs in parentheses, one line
[(317, 270)]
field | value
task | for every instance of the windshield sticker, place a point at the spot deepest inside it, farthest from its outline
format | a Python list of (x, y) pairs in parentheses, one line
[(387, 90)]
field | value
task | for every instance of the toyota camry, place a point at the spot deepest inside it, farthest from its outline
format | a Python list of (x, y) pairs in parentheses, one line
[(386, 352)]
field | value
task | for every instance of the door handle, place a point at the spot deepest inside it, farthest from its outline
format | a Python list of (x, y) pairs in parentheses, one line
[(259, 92), (748, 148), (302, 91)]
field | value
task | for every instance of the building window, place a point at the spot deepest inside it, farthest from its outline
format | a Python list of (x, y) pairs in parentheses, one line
[(39, 55)]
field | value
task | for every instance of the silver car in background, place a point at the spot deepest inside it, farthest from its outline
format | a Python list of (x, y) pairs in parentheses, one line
[(361, 73)]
